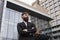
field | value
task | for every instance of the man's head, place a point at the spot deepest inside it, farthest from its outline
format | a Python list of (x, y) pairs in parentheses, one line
[(25, 16)]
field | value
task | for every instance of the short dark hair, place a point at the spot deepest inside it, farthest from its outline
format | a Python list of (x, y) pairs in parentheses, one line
[(24, 13)]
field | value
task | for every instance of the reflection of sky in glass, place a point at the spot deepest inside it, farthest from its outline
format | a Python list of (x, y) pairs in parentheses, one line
[(28, 1), (9, 28)]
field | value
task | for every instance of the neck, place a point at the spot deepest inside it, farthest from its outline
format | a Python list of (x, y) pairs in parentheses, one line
[(25, 21)]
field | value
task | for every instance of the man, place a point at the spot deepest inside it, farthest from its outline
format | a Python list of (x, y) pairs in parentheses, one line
[(26, 29)]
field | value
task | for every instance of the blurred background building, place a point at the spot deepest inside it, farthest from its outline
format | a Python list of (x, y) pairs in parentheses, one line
[(41, 13), (53, 7), (1, 11)]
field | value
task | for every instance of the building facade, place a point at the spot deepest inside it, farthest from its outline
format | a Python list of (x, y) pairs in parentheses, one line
[(54, 11), (12, 11), (1, 11)]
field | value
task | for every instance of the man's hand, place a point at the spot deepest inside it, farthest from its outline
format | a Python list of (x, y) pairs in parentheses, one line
[(25, 30)]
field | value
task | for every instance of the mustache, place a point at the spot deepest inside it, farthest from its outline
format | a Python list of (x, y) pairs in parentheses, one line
[(25, 19)]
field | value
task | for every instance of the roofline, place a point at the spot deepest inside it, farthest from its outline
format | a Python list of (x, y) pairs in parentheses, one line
[(27, 6), (21, 4)]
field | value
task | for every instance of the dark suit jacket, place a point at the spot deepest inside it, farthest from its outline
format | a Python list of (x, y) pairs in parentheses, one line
[(30, 27), (42, 37)]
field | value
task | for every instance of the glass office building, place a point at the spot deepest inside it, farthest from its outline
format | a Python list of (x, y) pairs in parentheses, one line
[(54, 11), (12, 15), (1, 11)]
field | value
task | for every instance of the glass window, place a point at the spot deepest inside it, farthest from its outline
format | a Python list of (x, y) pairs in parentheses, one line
[(19, 17), (46, 22), (56, 4), (4, 30), (50, 0), (51, 10), (58, 21), (51, 3), (58, 16), (59, 2), (52, 23), (11, 16), (9, 25), (15, 33), (57, 8), (42, 22), (10, 35), (16, 15), (51, 6), (46, 26), (7, 14), (55, 1), (46, 1), (32, 17), (57, 13), (52, 15), (47, 5), (48, 8), (10, 31)]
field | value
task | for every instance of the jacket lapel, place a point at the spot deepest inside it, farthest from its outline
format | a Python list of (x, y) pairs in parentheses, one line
[(28, 25), (24, 24)]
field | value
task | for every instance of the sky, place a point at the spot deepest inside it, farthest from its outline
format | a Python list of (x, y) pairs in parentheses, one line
[(28, 1)]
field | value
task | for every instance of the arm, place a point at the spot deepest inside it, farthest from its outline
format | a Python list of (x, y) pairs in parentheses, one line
[(33, 30), (19, 29)]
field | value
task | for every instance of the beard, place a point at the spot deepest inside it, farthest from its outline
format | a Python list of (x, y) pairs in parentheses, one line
[(25, 19)]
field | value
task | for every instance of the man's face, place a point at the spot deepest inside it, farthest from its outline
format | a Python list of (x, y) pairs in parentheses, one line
[(25, 17)]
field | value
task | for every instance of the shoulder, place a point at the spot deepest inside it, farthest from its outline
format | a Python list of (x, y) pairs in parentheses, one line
[(19, 23), (31, 23)]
